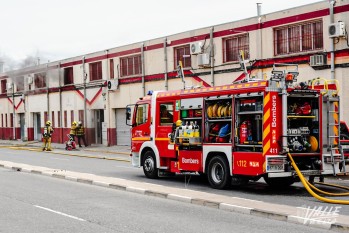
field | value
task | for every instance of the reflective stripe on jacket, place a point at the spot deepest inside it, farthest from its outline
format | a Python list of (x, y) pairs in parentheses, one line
[(80, 130)]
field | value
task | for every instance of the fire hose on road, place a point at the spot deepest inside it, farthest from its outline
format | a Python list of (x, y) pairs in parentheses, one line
[(309, 188)]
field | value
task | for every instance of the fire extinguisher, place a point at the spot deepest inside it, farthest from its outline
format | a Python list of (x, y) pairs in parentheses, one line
[(243, 132)]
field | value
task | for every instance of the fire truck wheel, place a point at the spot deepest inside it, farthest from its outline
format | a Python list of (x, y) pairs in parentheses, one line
[(149, 165), (279, 181), (218, 173)]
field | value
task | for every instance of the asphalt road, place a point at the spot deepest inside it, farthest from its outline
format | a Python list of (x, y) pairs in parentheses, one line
[(294, 195), (34, 203)]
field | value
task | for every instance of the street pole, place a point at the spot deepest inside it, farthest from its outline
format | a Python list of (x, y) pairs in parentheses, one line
[(14, 111), (48, 94), (85, 108)]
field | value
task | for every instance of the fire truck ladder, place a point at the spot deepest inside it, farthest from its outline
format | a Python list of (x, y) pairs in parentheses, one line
[(333, 132)]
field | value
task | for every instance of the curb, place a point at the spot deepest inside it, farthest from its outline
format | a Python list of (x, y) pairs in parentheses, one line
[(120, 185), (88, 156)]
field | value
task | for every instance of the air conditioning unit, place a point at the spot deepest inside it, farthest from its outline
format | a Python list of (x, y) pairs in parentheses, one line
[(203, 59), (336, 29), (195, 48), (317, 60), (30, 80), (112, 84)]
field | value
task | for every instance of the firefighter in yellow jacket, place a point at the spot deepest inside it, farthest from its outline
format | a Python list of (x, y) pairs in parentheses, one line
[(48, 130), (80, 133), (73, 130)]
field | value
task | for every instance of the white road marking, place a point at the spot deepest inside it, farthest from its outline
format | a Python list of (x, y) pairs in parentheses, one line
[(60, 213)]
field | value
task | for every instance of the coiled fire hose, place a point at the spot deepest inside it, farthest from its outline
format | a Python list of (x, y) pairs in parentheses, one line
[(307, 186), (327, 193)]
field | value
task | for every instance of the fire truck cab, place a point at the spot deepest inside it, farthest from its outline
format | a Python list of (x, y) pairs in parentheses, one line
[(239, 132)]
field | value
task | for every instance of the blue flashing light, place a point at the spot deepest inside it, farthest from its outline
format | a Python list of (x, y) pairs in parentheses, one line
[(150, 93)]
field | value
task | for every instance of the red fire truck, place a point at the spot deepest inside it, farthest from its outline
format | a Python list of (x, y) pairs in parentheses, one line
[(240, 132)]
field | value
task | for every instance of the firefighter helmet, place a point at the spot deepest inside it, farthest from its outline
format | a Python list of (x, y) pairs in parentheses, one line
[(178, 123), (74, 123), (48, 123)]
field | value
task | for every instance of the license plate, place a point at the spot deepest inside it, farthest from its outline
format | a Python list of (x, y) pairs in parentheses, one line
[(275, 167)]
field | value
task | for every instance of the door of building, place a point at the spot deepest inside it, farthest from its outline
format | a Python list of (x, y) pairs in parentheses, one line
[(123, 131), (99, 116), (22, 124), (37, 126)]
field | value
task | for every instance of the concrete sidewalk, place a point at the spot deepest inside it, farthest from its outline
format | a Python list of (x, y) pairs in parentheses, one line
[(93, 147), (108, 152)]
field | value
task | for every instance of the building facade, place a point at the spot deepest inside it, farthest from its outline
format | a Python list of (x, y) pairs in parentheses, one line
[(95, 88)]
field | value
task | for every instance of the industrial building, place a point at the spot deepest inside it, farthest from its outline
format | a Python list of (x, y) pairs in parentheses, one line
[(95, 88)]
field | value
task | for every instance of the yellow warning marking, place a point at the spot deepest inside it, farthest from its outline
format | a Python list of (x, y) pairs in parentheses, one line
[(162, 139), (267, 99), (266, 147), (266, 116), (264, 166), (141, 139), (266, 131)]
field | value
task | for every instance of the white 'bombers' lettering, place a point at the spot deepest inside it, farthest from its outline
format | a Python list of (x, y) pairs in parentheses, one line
[(192, 161), (273, 111)]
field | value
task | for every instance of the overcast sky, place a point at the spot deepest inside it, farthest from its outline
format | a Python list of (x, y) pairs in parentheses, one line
[(59, 29)]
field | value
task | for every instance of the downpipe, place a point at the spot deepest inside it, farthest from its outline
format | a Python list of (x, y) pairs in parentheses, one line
[(332, 3)]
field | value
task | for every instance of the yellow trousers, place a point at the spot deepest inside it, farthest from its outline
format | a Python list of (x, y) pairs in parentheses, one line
[(47, 144)]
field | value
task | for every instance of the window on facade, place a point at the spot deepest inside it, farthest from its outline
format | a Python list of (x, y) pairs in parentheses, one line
[(65, 119), (53, 118), (81, 115), (72, 116), (233, 45), (95, 71), (142, 114), (11, 120), (298, 38), (40, 80), (111, 67), (59, 118), (46, 117), (19, 81), (130, 66), (182, 54), (68, 76), (3, 86)]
